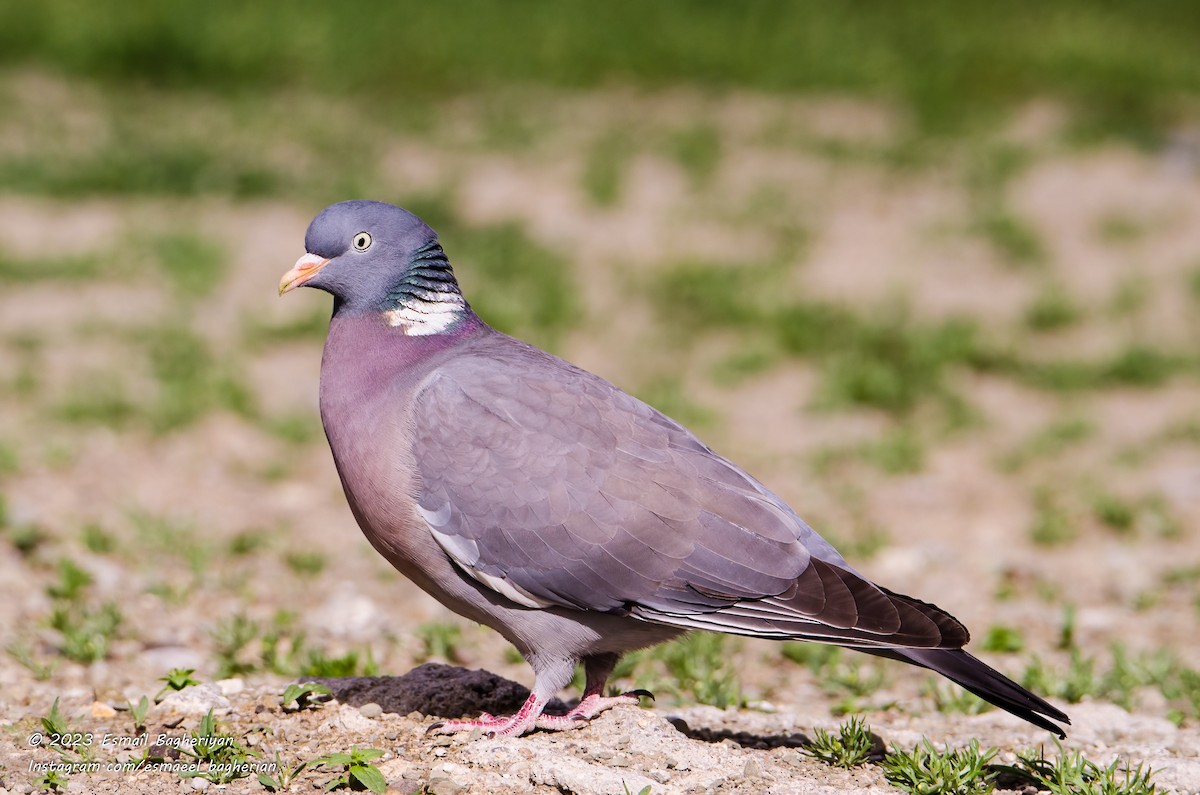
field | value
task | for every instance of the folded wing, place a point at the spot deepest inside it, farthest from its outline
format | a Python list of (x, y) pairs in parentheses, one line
[(554, 488)]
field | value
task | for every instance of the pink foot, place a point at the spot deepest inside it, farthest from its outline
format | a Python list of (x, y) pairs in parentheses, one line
[(590, 707), (513, 726), (530, 716)]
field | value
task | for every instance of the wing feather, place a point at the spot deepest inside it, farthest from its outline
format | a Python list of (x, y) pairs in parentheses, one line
[(552, 487)]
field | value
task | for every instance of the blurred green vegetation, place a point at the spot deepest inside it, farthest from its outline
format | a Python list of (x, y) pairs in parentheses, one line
[(1121, 66)]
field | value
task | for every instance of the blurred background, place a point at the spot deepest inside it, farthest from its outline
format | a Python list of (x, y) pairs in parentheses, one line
[(930, 274)]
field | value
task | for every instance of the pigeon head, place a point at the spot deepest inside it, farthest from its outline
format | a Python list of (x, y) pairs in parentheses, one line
[(378, 258)]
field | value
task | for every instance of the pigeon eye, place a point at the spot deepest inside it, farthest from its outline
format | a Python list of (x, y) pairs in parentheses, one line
[(362, 241)]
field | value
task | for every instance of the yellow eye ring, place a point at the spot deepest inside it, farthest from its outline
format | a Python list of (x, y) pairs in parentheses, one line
[(362, 241)]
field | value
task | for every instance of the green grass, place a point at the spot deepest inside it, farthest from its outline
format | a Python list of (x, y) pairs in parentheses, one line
[(697, 668), (851, 746), (1052, 309), (924, 770), (193, 265), (55, 268), (439, 640), (605, 162), (1121, 69), (697, 150), (1003, 639), (1070, 773), (1049, 441), (1053, 524)]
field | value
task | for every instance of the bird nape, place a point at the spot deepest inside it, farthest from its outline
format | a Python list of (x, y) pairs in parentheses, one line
[(536, 498)]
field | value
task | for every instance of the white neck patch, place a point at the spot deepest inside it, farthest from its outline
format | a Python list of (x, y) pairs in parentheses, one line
[(421, 318)]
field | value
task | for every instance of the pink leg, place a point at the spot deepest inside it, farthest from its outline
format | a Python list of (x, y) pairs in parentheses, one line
[(597, 668), (514, 726)]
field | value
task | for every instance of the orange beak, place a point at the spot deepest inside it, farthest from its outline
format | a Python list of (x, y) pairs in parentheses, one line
[(305, 268)]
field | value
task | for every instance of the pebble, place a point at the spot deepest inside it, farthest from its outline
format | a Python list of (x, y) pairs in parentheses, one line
[(443, 785), (231, 687), (102, 710), (371, 710), (195, 700), (200, 784)]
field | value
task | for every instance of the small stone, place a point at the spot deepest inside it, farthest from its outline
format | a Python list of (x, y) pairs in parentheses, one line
[(792, 757), (602, 755), (371, 710), (752, 769), (621, 761), (414, 715), (352, 720), (102, 710), (195, 700), (441, 741), (200, 784), (443, 785), (231, 687)]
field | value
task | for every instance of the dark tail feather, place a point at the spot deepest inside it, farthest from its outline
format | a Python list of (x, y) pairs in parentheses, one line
[(981, 679)]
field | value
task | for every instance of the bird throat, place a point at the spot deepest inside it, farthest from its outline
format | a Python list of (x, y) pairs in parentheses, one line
[(427, 300)]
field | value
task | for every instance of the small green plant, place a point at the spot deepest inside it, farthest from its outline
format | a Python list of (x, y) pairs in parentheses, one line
[(927, 771), (1073, 685), (604, 167), (646, 790), (305, 562), (61, 735), (231, 637), (440, 640), (898, 452), (850, 747), (27, 537), (222, 757), (138, 712), (176, 679), (1051, 310), (1003, 639), (1072, 774), (814, 656), (72, 580), (1052, 524), (357, 771), (52, 781), (1115, 512), (952, 699), (303, 695), (700, 664), (86, 632), (23, 653), (320, 665), (1066, 630), (97, 539), (285, 775), (54, 722)]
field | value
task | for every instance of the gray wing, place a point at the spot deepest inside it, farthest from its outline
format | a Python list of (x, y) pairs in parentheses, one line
[(554, 488)]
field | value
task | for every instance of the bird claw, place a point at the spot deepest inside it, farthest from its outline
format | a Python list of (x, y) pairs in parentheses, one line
[(640, 693)]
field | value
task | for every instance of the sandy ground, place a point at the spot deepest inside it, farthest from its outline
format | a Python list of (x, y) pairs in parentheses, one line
[(957, 531)]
